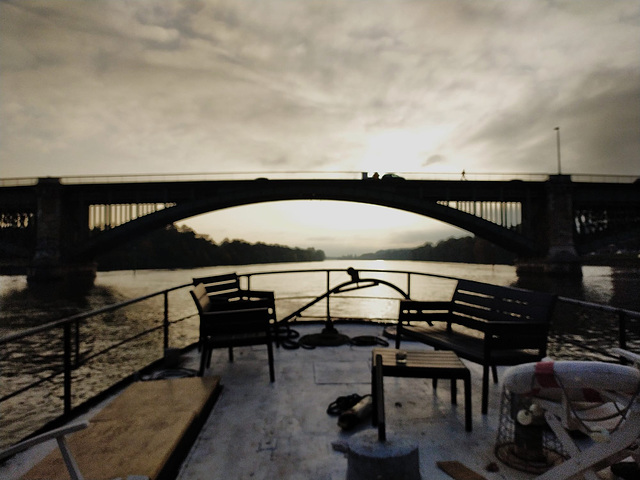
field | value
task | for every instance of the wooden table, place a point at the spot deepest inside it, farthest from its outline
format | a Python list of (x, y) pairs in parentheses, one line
[(433, 364)]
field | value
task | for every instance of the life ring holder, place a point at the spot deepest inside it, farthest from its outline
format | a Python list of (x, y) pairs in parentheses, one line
[(577, 382)]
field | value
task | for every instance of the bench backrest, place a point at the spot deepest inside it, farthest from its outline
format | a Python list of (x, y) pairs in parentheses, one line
[(475, 300), (511, 318)]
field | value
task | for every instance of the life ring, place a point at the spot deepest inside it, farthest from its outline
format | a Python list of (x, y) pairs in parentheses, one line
[(578, 380)]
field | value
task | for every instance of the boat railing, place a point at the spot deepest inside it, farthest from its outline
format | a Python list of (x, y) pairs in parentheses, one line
[(71, 355), (72, 358)]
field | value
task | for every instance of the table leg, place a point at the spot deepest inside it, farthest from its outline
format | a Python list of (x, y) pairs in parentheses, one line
[(467, 402), (374, 400), (454, 391)]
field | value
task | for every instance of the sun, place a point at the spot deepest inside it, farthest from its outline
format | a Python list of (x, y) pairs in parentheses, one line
[(400, 150)]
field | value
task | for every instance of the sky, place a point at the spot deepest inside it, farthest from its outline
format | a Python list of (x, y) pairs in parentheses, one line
[(270, 87)]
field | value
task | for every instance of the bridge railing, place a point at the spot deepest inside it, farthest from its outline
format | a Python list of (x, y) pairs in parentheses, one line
[(306, 175)]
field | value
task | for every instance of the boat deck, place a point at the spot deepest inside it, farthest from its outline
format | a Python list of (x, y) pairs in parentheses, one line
[(262, 430)]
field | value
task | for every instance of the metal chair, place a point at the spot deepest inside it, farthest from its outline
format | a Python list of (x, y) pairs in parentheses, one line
[(232, 324)]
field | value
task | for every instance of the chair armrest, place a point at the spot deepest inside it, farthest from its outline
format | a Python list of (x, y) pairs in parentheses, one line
[(221, 313), (50, 435), (257, 294)]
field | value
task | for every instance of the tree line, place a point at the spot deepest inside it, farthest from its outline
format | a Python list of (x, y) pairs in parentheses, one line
[(462, 250), (181, 247)]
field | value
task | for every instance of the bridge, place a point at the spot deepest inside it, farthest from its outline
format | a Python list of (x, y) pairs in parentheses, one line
[(59, 226)]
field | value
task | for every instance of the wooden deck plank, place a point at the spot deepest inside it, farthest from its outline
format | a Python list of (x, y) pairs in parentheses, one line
[(171, 395), (137, 433)]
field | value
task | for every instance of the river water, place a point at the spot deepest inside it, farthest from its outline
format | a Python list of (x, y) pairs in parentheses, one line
[(38, 356)]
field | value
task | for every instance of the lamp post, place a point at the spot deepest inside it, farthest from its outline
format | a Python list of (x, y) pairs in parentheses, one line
[(557, 129)]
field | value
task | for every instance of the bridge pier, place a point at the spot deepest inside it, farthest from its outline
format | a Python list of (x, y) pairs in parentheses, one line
[(556, 232), (48, 263)]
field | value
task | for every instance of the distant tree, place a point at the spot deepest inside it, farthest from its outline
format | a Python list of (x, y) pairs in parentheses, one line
[(464, 250), (181, 247)]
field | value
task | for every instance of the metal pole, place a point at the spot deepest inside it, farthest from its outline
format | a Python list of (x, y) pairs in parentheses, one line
[(166, 320), (67, 368), (558, 142), (77, 344), (329, 323)]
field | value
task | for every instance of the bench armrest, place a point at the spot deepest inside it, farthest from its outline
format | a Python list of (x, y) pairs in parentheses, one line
[(496, 328), (419, 306), (415, 311)]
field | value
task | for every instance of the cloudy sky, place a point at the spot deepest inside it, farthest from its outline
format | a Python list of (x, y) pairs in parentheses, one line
[(261, 87)]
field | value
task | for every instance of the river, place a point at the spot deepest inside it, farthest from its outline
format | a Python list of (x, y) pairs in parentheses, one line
[(22, 307), (35, 358)]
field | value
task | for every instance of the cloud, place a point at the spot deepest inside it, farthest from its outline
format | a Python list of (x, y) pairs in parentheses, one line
[(227, 85), (434, 160), (598, 118)]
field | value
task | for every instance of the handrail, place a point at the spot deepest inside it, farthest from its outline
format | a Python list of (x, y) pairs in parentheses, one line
[(583, 303), (82, 316), (67, 323), (74, 320)]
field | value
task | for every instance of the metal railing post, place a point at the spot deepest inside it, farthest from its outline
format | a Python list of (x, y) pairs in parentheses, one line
[(166, 320), (77, 344), (67, 368), (328, 296)]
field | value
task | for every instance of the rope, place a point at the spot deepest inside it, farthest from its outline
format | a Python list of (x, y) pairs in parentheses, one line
[(342, 404), (286, 337)]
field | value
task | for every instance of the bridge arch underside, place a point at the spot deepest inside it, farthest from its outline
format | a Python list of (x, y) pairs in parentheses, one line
[(506, 238)]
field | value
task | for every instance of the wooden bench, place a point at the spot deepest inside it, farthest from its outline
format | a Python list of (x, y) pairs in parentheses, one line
[(146, 431), (232, 323), (487, 324)]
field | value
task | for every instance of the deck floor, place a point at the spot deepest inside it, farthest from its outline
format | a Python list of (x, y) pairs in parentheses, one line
[(261, 430)]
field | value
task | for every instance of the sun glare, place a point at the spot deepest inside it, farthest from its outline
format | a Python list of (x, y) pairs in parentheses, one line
[(401, 150)]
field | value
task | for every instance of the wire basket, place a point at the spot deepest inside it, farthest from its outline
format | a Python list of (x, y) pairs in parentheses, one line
[(531, 448)]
